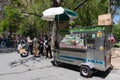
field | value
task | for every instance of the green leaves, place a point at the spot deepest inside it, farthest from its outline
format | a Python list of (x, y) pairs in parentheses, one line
[(87, 13), (21, 13), (4, 25), (10, 12), (116, 31)]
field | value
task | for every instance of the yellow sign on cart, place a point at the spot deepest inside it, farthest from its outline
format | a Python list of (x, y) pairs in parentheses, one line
[(99, 34)]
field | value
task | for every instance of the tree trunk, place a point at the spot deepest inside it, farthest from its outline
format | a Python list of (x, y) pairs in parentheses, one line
[(55, 3), (53, 37)]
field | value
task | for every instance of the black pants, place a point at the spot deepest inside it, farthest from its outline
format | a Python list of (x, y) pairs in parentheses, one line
[(48, 50), (41, 51), (30, 49)]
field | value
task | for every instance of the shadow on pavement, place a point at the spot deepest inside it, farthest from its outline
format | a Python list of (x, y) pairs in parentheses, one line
[(100, 74), (67, 66), (25, 61)]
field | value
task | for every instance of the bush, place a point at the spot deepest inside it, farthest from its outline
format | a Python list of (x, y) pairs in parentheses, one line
[(117, 45)]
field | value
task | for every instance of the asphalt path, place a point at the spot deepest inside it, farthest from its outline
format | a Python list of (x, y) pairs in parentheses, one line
[(7, 50), (14, 67)]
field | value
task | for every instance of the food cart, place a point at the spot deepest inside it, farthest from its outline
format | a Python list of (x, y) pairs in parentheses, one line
[(87, 47)]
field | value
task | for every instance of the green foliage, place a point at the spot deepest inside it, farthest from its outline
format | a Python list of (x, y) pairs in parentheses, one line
[(4, 25), (32, 23), (24, 16), (87, 13), (10, 12), (116, 32), (117, 45), (11, 19)]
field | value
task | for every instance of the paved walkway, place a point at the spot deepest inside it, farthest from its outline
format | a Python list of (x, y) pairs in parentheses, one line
[(13, 67), (115, 61), (7, 50), (116, 58), (15, 64)]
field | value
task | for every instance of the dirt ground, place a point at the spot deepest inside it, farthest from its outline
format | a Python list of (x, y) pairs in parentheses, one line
[(116, 58)]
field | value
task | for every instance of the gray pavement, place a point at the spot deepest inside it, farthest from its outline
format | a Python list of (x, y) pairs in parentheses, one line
[(7, 50), (13, 67)]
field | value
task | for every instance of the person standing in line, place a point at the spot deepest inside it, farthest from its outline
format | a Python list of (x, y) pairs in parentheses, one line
[(35, 47), (48, 47), (30, 45), (41, 47)]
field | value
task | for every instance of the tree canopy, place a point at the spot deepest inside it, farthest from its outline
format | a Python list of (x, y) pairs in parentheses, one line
[(24, 16)]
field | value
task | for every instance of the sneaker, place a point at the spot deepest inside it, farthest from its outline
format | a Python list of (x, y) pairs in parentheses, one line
[(47, 58)]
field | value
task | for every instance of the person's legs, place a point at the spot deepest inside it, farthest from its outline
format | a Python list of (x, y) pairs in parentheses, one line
[(41, 51), (46, 52), (31, 49), (28, 49), (50, 51)]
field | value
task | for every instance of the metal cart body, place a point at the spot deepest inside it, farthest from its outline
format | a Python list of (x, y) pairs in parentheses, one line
[(87, 46)]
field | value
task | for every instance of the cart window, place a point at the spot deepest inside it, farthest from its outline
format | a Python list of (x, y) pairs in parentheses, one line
[(91, 40), (80, 39), (73, 41)]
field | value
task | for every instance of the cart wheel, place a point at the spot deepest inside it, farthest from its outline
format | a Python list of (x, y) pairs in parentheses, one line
[(85, 71), (56, 63)]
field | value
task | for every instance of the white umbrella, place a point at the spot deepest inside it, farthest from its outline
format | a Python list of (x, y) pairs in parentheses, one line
[(49, 14), (58, 14)]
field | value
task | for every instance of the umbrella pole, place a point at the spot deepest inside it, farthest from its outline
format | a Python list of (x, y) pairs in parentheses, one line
[(53, 36)]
